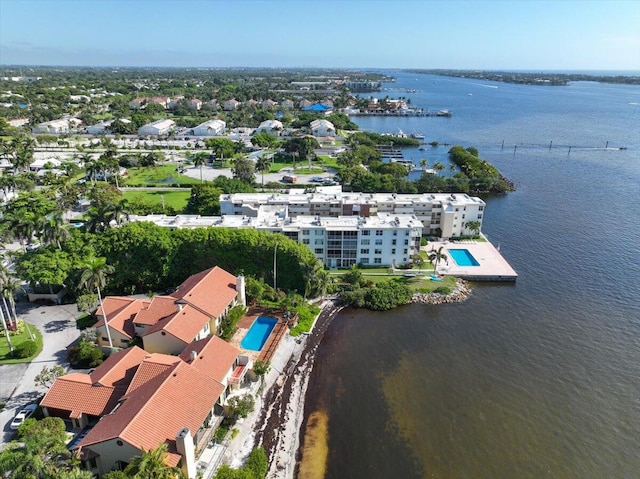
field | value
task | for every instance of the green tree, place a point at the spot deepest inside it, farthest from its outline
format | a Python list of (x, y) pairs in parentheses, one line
[(45, 267), (222, 147), (93, 276), (435, 256), (240, 406), (474, 227), (244, 170), (257, 463), (199, 159), (263, 164), (204, 200), (264, 140)]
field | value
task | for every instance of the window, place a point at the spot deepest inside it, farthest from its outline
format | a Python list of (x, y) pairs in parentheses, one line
[(406, 233), (405, 251), (364, 251), (393, 242), (319, 250), (104, 338), (366, 232), (395, 233), (377, 251), (319, 232), (406, 242), (393, 251), (364, 242), (364, 260), (305, 232), (319, 241), (305, 241), (379, 242), (378, 232), (377, 260)]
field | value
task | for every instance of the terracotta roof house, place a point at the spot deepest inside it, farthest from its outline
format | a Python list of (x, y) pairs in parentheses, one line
[(84, 398), (287, 104), (231, 105), (193, 312), (169, 401), (219, 359), (119, 312)]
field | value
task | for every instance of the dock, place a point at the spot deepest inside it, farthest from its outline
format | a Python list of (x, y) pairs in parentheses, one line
[(492, 265)]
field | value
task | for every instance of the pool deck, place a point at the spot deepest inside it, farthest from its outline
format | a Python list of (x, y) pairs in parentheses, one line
[(271, 345), (493, 266)]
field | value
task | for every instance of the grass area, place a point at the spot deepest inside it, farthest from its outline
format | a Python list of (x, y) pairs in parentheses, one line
[(421, 282), (174, 199), (5, 356), (85, 320), (164, 175)]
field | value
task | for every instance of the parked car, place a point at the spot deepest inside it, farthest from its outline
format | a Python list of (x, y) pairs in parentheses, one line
[(23, 414), (328, 182), (317, 179)]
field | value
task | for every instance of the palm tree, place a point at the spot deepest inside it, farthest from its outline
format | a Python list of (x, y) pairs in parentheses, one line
[(424, 164), (263, 164), (54, 231), (438, 167), (151, 464), (436, 256), (6, 330), (199, 159), (117, 212), (8, 286), (94, 276), (474, 226)]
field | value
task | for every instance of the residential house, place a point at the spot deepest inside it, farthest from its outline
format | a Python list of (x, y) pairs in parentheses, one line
[(159, 127), (304, 103), (168, 401), (53, 127), (138, 103), (231, 105), (194, 311), (118, 311), (267, 104), (321, 128), (272, 127), (195, 103), (251, 103), (18, 122), (210, 128), (44, 163), (159, 100), (214, 104), (85, 398), (287, 104)]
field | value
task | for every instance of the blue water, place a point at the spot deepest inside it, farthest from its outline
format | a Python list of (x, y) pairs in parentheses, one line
[(463, 257), (537, 379), (258, 333)]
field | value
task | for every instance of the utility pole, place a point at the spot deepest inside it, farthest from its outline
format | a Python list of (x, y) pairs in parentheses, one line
[(275, 251)]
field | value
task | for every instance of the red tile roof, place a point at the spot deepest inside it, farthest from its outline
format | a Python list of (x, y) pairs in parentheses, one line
[(215, 356), (152, 366), (211, 290), (153, 413), (120, 312), (184, 325), (159, 307), (98, 392)]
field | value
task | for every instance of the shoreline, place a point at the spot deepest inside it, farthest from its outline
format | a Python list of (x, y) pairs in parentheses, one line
[(278, 427)]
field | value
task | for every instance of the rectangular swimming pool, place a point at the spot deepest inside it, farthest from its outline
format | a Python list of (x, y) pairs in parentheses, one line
[(258, 333), (463, 257)]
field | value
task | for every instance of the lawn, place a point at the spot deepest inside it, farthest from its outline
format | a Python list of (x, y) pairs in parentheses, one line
[(163, 175), (5, 357), (172, 198)]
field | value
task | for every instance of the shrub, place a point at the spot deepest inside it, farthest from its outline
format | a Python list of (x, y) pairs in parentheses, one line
[(85, 355), (445, 290), (257, 463), (25, 350), (240, 406)]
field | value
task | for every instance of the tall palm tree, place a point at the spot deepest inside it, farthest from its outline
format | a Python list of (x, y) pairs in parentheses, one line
[(263, 164), (93, 275), (6, 330), (9, 286), (151, 464), (199, 159), (117, 212), (424, 164), (435, 256)]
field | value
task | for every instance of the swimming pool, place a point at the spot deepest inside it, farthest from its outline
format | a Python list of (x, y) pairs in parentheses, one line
[(462, 257), (258, 333)]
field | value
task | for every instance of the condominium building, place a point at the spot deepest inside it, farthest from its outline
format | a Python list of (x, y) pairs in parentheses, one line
[(444, 215), (339, 242)]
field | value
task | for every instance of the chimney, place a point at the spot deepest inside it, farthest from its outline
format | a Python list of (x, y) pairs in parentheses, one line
[(242, 297), (186, 448), (193, 355)]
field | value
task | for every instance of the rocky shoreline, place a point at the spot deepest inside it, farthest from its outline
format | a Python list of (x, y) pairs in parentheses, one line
[(460, 293)]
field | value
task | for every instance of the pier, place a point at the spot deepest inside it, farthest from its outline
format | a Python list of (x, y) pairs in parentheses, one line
[(411, 112)]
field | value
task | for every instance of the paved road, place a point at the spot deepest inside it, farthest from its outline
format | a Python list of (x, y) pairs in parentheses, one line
[(210, 174), (17, 381)]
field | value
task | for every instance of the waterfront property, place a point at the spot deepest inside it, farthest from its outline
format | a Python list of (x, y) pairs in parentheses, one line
[(474, 261), (339, 242), (443, 215)]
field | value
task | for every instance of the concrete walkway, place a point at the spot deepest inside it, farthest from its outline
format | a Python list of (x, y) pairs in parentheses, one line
[(17, 381)]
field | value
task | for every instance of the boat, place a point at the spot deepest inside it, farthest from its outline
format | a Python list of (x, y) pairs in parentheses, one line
[(444, 113), (417, 136), (422, 148)]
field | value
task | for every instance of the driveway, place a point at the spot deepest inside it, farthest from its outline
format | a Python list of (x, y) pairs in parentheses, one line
[(17, 386)]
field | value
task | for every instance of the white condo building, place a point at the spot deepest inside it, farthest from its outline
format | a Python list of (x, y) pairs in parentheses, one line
[(210, 128), (443, 215), (338, 242), (159, 127)]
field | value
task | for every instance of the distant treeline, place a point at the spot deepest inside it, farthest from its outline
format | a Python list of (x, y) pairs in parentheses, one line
[(550, 79)]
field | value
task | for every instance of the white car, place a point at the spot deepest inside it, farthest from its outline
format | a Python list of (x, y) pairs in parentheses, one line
[(23, 414)]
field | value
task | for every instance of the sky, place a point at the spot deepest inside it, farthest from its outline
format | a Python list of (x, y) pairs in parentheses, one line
[(488, 35)]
